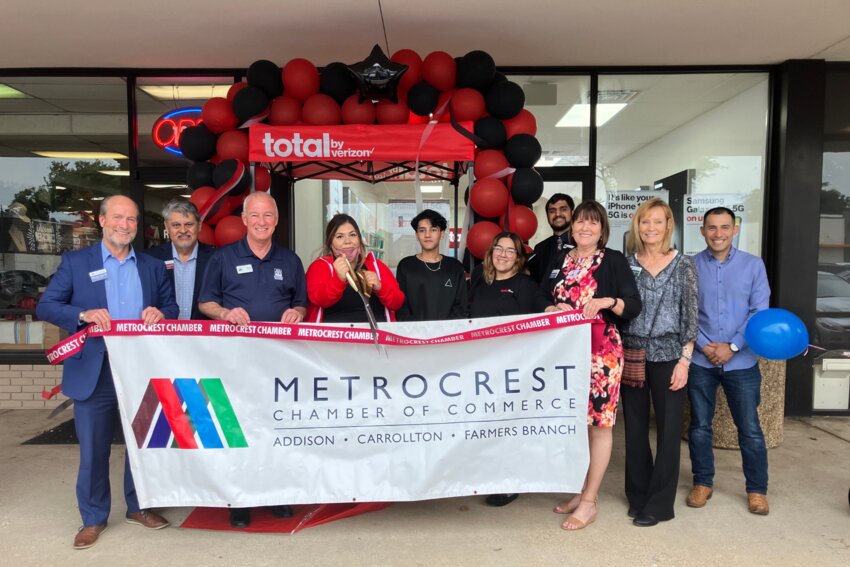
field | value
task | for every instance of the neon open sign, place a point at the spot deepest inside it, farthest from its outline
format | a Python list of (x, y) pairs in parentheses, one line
[(168, 127)]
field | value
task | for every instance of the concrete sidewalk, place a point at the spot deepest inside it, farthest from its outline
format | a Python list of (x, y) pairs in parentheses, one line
[(809, 522)]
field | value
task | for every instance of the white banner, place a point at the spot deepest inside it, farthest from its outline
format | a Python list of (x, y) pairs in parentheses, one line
[(277, 419)]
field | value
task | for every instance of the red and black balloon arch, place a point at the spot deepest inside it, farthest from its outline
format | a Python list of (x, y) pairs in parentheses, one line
[(402, 89)]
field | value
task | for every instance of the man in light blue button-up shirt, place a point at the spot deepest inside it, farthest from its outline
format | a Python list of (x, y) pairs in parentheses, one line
[(732, 288)]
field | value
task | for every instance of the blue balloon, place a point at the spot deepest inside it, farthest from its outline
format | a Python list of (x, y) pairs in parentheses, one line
[(776, 334)]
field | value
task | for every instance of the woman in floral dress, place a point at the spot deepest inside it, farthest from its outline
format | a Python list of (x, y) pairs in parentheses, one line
[(599, 281)]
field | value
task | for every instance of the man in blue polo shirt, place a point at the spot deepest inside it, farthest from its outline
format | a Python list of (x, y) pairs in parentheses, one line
[(254, 279), (732, 288)]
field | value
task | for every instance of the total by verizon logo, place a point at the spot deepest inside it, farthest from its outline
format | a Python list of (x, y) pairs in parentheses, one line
[(324, 147)]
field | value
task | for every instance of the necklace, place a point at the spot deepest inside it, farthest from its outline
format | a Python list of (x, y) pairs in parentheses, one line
[(430, 269)]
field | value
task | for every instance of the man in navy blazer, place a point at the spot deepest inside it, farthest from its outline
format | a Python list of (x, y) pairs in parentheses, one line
[(185, 258), (97, 284)]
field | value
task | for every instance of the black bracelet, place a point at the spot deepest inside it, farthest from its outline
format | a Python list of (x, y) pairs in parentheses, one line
[(613, 305)]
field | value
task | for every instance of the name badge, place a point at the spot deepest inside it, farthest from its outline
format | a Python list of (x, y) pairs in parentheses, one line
[(98, 275), (278, 274), (169, 264), (636, 270), (554, 274), (244, 269)]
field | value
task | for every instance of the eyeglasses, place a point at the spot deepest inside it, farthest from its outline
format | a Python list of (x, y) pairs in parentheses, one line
[(506, 251)]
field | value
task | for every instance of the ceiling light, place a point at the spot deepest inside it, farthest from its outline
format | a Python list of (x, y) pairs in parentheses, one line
[(81, 155), (59, 187), (431, 188), (165, 185), (185, 196), (578, 116), (97, 198), (186, 92), (8, 92), (115, 172)]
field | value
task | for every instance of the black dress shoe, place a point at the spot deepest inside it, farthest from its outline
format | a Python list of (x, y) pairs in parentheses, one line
[(499, 500), (282, 511), (645, 520), (240, 517), (633, 512)]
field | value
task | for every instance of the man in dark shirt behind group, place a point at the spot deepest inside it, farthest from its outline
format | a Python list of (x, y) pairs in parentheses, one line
[(559, 212)]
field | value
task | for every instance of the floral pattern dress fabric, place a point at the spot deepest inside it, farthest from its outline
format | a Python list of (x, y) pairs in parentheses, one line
[(575, 286)]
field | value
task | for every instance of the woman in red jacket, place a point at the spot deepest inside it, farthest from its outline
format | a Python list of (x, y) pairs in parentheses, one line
[(332, 299)]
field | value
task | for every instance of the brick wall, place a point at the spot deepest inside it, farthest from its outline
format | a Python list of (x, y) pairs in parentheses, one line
[(21, 386)]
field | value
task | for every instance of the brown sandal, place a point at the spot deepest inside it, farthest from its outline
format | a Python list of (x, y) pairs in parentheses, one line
[(579, 524), (561, 509)]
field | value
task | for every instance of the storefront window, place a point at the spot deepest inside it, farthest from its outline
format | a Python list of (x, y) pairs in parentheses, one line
[(561, 105), (696, 140), (832, 325), (63, 149)]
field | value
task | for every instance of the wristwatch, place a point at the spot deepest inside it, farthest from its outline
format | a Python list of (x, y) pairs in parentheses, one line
[(80, 319), (734, 347)]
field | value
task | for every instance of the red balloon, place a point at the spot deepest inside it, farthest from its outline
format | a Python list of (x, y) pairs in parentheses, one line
[(489, 197), (389, 112), (300, 79), (235, 88), (468, 104), (356, 112), (480, 237), (201, 195), (229, 230), (320, 110), (262, 179), (218, 115), (207, 235), (489, 162), (413, 74), (522, 123), (522, 221), (439, 70), (233, 145), (285, 110)]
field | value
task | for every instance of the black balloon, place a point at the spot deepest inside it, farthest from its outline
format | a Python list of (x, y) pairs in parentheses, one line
[(200, 174), (523, 150), (499, 77), (526, 186), (266, 76), (475, 70), (197, 143), (249, 102), (337, 82), (505, 100), (377, 77), (492, 133), (225, 170), (422, 99)]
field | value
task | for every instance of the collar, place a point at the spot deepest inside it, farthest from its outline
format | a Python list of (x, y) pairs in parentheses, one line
[(105, 253), (244, 251), (192, 256), (710, 257)]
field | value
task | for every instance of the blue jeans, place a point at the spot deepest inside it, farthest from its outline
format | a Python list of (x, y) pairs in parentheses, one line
[(742, 388)]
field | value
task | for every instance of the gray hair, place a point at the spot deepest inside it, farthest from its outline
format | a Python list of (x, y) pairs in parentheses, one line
[(181, 208)]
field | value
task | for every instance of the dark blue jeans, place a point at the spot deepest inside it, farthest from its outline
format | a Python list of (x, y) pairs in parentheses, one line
[(742, 388)]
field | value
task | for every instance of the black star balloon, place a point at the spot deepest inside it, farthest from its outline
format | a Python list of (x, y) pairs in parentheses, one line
[(377, 76)]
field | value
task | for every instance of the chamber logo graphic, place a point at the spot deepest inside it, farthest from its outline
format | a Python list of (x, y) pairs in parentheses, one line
[(190, 414)]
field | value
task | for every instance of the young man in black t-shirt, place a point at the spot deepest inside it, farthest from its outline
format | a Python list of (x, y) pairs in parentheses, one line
[(434, 285)]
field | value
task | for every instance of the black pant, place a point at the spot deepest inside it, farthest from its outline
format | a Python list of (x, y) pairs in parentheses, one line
[(651, 487)]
